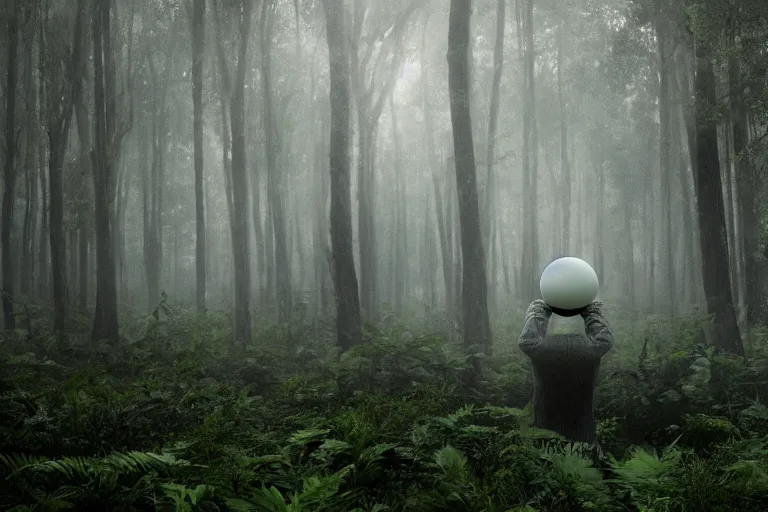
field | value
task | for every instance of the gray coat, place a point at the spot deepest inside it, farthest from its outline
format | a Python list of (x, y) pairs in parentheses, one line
[(565, 370)]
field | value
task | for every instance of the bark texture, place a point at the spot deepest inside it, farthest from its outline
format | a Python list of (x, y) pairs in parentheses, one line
[(713, 239), (348, 329), (476, 325)]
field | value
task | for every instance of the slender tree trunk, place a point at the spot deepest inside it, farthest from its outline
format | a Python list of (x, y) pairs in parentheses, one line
[(400, 235), (105, 323), (493, 121), (476, 328), (365, 214), (747, 186), (82, 254), (9, 172), (152, 259), (665, 157), (713, 240), (430, 259), (43, 246), (348, 329), (154, 184), (684, 84), (436, 166), (578, 239), (598, 244), (724, 139), (198, 52), (629, 251), (60, 109), (677, 125), (27, 263), (224, 98), (274, 179), (119, 229), (652, 224), (530, 261), (262, 260), (84, 135), (565, 167), (454, 227), (240, 233)]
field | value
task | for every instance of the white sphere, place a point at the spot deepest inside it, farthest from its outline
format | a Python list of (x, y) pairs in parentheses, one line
[(569, 283)]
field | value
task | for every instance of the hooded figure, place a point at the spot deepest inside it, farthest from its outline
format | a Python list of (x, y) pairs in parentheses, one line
[(565, 370)]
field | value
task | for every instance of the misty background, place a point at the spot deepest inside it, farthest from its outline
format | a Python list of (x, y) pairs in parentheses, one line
[(591, 124)]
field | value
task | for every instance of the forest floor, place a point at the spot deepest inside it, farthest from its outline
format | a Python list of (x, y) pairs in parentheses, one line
[(177, 419)]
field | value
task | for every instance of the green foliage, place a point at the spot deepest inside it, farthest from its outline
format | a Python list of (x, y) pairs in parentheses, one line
[(179, 419)]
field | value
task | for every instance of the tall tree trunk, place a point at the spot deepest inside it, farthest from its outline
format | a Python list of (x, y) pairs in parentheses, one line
[(43, 246), (82, 254), (9, 172), (154, 184), (261, 260), (677, 125), (240, 233), (348, 329), (105, 323), (493, 121), (453, 227), (117, 222), (430, 259), (400, 235), (322, 244), (747, 185), (578, 235), (365, 215), (198, 49), (152, 244), (598, 244), (321, 241), (274, 144), (725, 178), (685, 80), (709, 198), (530, 260), (565, 167), (224, 99), (84, 226), (476, 325), (61, 95), (651, 227), (665, 157), (629, 251), (27, 263), (435, 166)]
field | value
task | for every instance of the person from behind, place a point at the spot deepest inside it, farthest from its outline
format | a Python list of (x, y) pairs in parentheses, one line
[(565, 365)]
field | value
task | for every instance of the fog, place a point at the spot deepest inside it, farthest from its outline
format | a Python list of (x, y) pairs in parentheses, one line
[(568, 104), (369, 255)]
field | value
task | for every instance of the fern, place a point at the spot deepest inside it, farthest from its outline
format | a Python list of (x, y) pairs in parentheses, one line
[(316, 493)]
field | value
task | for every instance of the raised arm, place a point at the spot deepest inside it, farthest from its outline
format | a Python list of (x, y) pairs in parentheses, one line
[(596, 328), (535, 326)]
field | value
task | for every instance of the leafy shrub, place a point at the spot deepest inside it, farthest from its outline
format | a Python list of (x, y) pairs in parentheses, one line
[(178, 418)]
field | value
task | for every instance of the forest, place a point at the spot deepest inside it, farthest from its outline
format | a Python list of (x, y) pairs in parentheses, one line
[(285, 256)]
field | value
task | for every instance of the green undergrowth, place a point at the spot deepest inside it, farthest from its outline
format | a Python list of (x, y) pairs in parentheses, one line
[(176, 418)]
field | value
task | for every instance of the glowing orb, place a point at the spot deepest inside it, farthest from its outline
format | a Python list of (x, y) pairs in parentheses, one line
[(568, 285)]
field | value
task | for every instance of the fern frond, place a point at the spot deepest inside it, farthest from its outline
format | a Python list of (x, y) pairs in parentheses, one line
[(15, 462)]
